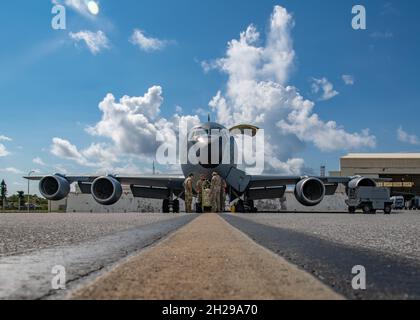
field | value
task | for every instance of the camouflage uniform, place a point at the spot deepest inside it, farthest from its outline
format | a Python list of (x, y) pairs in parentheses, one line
[(188, 194), (223, 195), (199, 189), (216, 186)]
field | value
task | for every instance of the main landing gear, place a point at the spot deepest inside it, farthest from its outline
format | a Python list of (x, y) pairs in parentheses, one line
[(169, 206), (247, 206)]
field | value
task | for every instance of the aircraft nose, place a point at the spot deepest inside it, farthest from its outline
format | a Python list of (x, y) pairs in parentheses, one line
[(211, 161)]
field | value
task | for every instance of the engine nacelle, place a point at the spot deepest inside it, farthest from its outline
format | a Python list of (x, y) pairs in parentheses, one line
[(54, 188), (358, 181), (310, 191), (106, 191)]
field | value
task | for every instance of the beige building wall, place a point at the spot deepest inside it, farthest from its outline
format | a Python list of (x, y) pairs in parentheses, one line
[(403, 168), (380, 164)]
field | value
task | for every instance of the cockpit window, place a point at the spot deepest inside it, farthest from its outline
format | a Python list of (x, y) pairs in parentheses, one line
[(201, 133), (198, 133)]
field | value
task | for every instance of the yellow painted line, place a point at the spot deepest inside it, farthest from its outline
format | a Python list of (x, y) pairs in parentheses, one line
[(207, 259)]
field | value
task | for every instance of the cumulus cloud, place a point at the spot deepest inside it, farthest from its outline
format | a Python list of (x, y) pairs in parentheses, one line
[(12, 170), (3, 151), (100, 155), (66, 150), (145, 43), (348, 79), (257, 93), (38, 161), (5, 138), (405, 137), (326, 87), (134, 124), (134, 128), (80, 6), (95, 41)]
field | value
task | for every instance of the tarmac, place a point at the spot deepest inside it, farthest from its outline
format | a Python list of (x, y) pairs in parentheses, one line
[(210, 260), (216, 257)]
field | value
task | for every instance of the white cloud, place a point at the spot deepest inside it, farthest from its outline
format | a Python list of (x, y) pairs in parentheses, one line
[(327, 88), (3, 151), (61, 169), (405, 137), (348, 79), (66, 150), (133, 126), (80, 6), (134, 123), (327, 136), (145, 43), (201, 112), (38, 161), (12, 170), (5, 138), (95, 41), (257, 93)]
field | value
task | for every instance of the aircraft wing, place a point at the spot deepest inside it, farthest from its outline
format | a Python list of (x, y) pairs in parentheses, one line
[(147, 186), (150, 181), (242, 182), (278, 181)]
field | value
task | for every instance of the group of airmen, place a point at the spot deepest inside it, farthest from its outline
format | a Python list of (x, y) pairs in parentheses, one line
[(217, 188)]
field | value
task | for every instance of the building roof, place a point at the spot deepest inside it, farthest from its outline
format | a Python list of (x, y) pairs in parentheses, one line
[(382, 156)]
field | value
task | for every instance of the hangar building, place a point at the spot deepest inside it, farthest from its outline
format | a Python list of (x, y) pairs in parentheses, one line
[(402, 168)]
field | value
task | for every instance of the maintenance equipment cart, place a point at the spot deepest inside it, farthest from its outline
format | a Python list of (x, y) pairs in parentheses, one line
[(369, 199)]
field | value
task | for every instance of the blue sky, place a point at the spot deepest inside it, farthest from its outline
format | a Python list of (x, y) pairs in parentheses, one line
[(51, 84)]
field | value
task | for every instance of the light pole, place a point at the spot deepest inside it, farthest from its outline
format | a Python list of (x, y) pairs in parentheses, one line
[(29, 174)]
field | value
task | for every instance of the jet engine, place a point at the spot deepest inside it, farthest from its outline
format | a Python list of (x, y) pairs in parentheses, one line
[(106, 190), (358, 181), (310, 191), (54, 188)]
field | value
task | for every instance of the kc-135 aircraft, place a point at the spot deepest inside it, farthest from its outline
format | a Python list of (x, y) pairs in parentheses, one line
[(244, 188)]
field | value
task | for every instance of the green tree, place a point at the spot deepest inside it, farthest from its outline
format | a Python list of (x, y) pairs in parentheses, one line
[(3, 194), (21, 199)]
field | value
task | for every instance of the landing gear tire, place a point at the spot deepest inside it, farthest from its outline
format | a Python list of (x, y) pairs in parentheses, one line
[(240, 207), (352, 210), (165, 206), (388, 209), (250, 207), (367, 209), (175, 206)]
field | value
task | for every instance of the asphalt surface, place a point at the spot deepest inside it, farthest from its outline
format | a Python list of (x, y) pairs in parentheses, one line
[(86, 246), (330, 245), (397, 234), (207, 259), (24, 233), (226, 256)]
